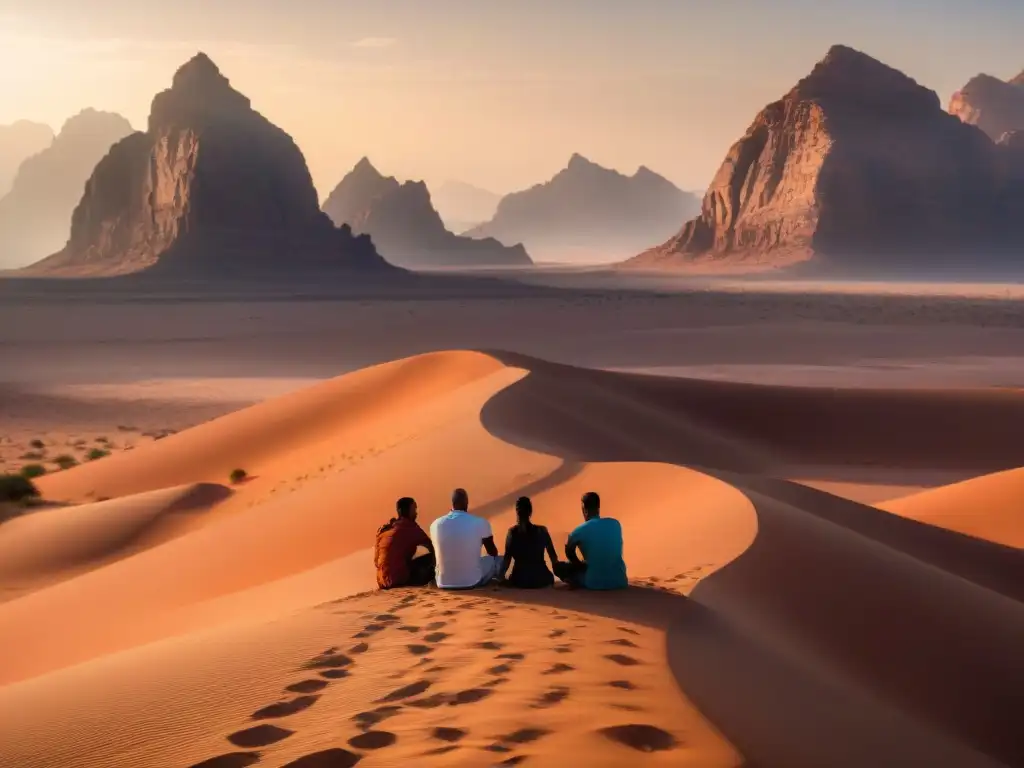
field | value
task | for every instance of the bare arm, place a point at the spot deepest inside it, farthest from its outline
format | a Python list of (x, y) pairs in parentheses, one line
[(489, 546), (570, 552), (549, 545), (506, 561)]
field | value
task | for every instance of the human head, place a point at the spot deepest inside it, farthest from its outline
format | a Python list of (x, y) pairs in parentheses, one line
[(591, 503), (524, 509), (406, 507), (460, 500)]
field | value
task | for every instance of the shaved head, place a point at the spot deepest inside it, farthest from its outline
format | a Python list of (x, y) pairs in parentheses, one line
[(460, 500)]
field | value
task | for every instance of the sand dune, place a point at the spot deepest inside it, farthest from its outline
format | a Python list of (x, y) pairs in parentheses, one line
[(770, 623)]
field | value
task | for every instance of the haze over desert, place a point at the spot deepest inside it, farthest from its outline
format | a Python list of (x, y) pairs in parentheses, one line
[(252, 353)]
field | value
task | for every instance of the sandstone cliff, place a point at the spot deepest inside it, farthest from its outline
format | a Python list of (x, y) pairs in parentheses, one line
[(588, 212), (18, 142), (991, 104), (406, 228), (859, 166), (212, 188), (35, 217)]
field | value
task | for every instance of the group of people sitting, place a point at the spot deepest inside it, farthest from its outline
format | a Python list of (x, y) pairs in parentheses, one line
[(453, 558)]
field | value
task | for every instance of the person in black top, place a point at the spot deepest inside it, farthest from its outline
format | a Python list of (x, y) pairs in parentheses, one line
[(525, 545)]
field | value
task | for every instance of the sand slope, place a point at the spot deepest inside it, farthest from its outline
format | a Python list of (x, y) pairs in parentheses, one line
[(770, 623)]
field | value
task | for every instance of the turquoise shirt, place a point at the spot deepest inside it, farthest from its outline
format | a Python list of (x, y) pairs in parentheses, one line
[(600, 540)]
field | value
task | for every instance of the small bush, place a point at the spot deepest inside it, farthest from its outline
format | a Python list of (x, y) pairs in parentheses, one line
[(16, 488), (38, 444), (64, 461), (238, 475), (32, 471), (96, 453)]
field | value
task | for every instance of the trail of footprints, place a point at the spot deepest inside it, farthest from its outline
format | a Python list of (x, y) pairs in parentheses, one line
[(333, 664)]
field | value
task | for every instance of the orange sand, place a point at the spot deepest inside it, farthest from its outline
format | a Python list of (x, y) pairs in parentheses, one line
[(186, 621)]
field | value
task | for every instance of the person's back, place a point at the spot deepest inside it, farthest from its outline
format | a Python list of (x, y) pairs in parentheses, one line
[(458, 538), (525, 547), (395, 550), (600, 541)]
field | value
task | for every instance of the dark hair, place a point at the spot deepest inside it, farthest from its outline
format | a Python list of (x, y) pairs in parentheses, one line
[(404, 506), (460, 499), (591, 502), (524, 509)]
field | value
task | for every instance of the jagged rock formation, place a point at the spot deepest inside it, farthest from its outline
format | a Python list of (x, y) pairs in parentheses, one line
[(35, 217), (995, 106), (463, 206), (587, 212), (406, 229), (18, 142), (859, 166), (211, 189)]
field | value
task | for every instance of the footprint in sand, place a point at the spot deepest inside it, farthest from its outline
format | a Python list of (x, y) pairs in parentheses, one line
[(407, 691), (436, 625), (329, 758), (627, 707), (373, 740), (430, 702), (418, 650), (230, 760), (441, 750), (515, 760), (622, 660), (334, 674), (387, 618), (556, 633), (410, 629), (366, 720), (471, 696), (360, 648), (501, 669), (495, 682), (489, 646), (435, 637), (558, 669), (512, 656), (643, 738), (284, 708), (551, 698), (259, 736), (623, 642), (562, 649), (371, 629), (628, 631), (328, 661), (450, 735), (307, 686)]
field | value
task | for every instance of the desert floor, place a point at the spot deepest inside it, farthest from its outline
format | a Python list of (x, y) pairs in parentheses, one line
[(820, 495)]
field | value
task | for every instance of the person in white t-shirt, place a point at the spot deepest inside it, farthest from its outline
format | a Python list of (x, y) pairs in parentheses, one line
[(458, 538)]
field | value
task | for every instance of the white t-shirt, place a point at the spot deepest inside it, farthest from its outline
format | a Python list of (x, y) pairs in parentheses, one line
[(457, 539)]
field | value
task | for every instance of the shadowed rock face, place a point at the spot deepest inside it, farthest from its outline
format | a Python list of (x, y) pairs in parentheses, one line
[(18, 142), (211, 188), (35, 217), (586, 206), (995, 106), (406, 228), (859, 166)]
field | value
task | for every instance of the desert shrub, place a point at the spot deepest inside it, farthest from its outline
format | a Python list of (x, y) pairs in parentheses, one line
[(96, 453), (16, 488), (238, 475), (64, 461), (38, 444), (31, 471)]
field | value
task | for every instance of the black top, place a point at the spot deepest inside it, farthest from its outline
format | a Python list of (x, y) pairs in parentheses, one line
[(526, 547)]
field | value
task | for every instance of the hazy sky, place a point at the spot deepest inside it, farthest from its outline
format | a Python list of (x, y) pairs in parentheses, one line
[(495, 92)]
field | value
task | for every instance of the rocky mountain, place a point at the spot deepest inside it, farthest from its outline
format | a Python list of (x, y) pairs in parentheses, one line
[(211, 189), (406, 228), (18, 142), (859, 168), (35, 216), (587, 212), (463, 206), (993, 105)]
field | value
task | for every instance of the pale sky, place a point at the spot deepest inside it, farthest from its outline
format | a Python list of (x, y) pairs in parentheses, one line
[(497, 93)]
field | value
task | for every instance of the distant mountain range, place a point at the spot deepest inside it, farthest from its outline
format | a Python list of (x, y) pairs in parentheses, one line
[(994, 105), (35, 216), (18, 142), (405, 228), (859, 170), (590, 213), (212, 189)]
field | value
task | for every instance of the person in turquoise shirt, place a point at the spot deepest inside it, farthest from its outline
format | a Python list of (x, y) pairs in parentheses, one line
[(599, 539)]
